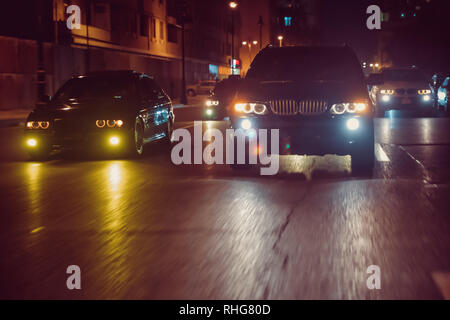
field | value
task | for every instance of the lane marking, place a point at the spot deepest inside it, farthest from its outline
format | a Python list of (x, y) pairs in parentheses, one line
[(380, 154), (442, 280)]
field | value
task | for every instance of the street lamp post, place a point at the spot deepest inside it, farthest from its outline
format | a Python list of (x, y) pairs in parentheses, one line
[(280, 38), (233, 5)]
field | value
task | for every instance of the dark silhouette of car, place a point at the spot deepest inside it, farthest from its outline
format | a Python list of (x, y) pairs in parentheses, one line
[(221, 97), (405, 89), (115, 112), (316, 96)]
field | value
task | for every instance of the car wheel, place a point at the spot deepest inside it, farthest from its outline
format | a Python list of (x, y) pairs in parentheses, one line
[(138, 138), (246, 165), (191, 93), (167, 142), (363, 159)]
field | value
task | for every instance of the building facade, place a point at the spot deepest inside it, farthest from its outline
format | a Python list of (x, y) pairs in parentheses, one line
[(144, 35)]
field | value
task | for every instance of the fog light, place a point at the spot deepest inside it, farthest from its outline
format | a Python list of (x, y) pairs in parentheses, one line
[(386, 98), (209, 112), (114, 141), (246, 124), (426, 98), (352, 124), (32, 142)]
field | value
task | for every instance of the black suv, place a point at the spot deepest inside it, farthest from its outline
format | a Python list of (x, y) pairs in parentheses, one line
[(114, 112), (316, 96)]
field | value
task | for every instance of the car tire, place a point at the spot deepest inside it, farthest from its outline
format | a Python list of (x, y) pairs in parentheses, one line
[(191, 93), (138, 139), (246, 165), (167, 141), (363, 159)]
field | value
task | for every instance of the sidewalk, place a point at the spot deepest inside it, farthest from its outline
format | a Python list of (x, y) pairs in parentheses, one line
[(13, 117)]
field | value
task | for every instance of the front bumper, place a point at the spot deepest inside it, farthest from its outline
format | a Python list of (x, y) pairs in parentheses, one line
[(316, 136), (101, 139), (405, 103)]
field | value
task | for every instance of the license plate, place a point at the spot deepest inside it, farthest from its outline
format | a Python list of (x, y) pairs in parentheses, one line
[(406, 101)]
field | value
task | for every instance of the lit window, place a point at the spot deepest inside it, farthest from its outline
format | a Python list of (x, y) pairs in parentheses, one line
[(287, 21)]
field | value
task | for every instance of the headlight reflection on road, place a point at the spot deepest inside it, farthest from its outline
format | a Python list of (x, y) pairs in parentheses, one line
[(113, 199)]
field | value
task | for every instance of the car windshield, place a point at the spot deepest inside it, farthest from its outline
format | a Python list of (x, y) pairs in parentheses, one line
[(306, 65), (403, 75), (95, 88)]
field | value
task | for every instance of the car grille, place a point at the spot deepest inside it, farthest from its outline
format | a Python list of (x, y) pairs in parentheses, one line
[(412, 91), (400, 91), (303, 107)]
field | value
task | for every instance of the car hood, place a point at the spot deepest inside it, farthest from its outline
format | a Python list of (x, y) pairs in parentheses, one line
[(112, 109), (256, 90)]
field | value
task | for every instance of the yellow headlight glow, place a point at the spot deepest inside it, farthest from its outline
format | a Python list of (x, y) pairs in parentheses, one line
[(114, 141), (32, 142)]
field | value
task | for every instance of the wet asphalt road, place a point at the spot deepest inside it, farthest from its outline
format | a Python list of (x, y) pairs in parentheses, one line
[(148, 229)]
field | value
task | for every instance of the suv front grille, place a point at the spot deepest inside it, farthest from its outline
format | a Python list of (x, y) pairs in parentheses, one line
[(303, 107)]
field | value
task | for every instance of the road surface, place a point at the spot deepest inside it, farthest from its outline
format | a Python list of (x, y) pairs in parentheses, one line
[(147, 229)]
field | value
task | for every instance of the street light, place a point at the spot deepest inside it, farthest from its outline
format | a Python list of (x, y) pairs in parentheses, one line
[(280, 38), (233, 5)]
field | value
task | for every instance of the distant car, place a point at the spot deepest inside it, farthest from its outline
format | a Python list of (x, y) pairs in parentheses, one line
[(221, 97), (401, 89), (110, 111), (442, 95), (203, 87), (315, 96)]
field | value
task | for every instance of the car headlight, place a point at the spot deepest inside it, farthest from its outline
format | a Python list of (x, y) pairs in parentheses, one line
[(387, 91), (355, 107), (256, 108), (38, 125), (109, 123), (423, 92)]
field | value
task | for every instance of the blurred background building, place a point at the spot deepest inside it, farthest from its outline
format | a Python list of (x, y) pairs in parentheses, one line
[(38, 51), (414, 33)]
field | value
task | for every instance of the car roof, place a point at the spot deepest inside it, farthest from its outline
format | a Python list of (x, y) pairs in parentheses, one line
[(301, 49), (113, 73)]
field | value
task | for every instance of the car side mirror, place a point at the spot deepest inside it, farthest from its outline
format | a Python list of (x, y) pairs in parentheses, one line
[(375, 79)]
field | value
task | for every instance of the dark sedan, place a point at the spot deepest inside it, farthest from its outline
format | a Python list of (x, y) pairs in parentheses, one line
[(116, 112)]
